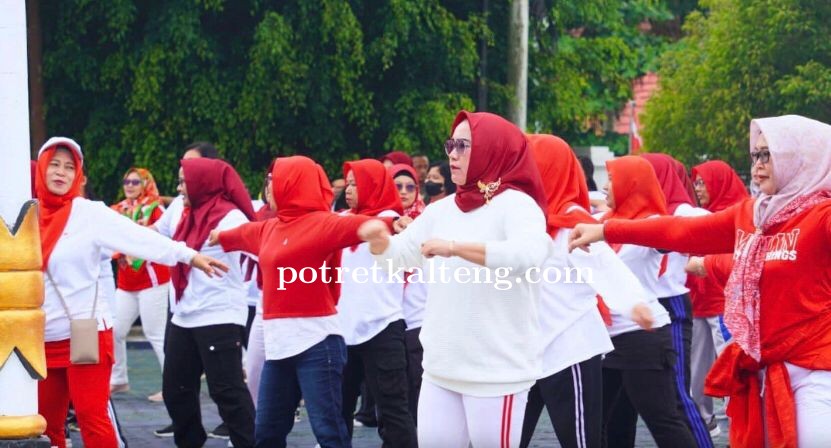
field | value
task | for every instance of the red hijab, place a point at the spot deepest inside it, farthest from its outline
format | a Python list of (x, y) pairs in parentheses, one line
[(376, 190), (672, 176), (635, 188), (299, 186), (417, 206), (397, 157), (723, 184), (54, 210), (499, 159), (564, 182), (214, 189)]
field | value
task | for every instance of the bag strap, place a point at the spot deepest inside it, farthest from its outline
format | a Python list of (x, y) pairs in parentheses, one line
[(63, 301)]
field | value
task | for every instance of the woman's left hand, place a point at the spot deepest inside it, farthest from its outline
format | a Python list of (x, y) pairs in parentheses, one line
[(437, 248), (209, 265)]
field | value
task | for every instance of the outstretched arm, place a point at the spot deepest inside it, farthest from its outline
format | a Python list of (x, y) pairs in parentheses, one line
[(710, 234)]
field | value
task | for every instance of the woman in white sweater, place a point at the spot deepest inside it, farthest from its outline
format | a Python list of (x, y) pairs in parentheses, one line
[(573, 331), (74, 232), (481, 330)]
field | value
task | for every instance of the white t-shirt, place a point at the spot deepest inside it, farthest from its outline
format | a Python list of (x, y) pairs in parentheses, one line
[(674, 281), (367, 308), (572, 328), (479, 340)]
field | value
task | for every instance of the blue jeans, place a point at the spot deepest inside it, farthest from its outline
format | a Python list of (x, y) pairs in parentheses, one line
[(316, 375)]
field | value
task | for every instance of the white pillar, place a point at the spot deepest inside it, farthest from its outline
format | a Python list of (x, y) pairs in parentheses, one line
[(18, 391)]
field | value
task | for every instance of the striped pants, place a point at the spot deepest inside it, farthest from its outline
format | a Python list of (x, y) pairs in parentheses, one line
[(574, 399), (449, 419)]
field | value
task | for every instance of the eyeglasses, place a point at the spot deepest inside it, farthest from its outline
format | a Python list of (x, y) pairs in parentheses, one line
[(759, 156), (460, 145), (409, 188), (133, 182), (699, 183)]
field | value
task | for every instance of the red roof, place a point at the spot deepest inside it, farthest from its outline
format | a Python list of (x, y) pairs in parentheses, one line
[(642, 89)]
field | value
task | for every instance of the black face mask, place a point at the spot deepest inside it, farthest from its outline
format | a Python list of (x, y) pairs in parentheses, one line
[(433, 188)]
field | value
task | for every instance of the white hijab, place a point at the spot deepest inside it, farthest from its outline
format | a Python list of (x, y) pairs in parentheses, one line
[(800, 151)]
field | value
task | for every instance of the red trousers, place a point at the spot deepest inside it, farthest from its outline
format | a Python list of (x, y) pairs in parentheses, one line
[(86, 386)]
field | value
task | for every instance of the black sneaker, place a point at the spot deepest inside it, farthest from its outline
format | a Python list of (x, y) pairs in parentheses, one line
[(167, 431), (220, 432)]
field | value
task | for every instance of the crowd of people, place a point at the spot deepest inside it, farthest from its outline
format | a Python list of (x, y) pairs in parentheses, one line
[(697, 289)]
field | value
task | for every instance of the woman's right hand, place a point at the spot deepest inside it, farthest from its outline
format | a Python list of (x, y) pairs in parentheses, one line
[(584, 234), (695, 266), (642, 316), (213, 238), (401, 223), (376, 233)]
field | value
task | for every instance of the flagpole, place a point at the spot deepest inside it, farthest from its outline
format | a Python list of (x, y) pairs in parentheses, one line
[(631, 124)]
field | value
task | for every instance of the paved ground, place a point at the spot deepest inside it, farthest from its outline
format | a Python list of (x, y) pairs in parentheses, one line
[(139, 417)]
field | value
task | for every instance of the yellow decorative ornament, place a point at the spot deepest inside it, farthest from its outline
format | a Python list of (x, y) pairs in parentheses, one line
[(489, 189), (21, 318)]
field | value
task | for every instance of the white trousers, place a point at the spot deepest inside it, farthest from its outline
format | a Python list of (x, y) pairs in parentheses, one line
[(707, 344), (451, 420), (151, 305), (255, 356), (812, 396)]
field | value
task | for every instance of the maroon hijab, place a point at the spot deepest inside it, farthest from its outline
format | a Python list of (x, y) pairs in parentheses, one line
[(675, 183), (214, 188), (500, 160), (397, 157)]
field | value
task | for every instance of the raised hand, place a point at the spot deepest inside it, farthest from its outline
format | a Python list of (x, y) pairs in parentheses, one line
[(209, 265)]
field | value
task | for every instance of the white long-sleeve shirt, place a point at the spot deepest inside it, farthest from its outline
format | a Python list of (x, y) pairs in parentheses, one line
[(76, 261), (572, 328), (367, 308), (645, 263), (479, 340), (218, 299)]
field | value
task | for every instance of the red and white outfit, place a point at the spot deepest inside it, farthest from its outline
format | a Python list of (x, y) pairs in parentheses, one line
[(573, 332), (778, 306), (74, 234), (482, 350), (141, 286)]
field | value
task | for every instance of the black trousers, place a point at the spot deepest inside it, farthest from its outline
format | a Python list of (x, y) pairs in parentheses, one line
[(215, 350), (382, 363), (641, 372), (574, 400), (415, 355)]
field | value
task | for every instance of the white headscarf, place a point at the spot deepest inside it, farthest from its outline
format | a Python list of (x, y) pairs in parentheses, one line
[(800, 151)]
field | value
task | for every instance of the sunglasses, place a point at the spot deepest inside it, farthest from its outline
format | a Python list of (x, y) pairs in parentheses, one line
[(409, 188), (133, 182), (759, 156), (460, 145)]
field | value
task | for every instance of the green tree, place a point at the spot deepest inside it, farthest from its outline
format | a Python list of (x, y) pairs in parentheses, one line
[(743, 59)]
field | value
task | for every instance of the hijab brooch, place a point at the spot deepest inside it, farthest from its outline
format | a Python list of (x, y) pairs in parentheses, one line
[(489, 189)]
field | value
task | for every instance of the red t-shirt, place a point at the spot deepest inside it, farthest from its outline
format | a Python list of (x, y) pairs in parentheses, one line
[(299, 246), (147, 275)]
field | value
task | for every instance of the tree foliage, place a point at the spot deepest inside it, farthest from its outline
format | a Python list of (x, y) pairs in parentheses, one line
[(135, 81), (740, 60)]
